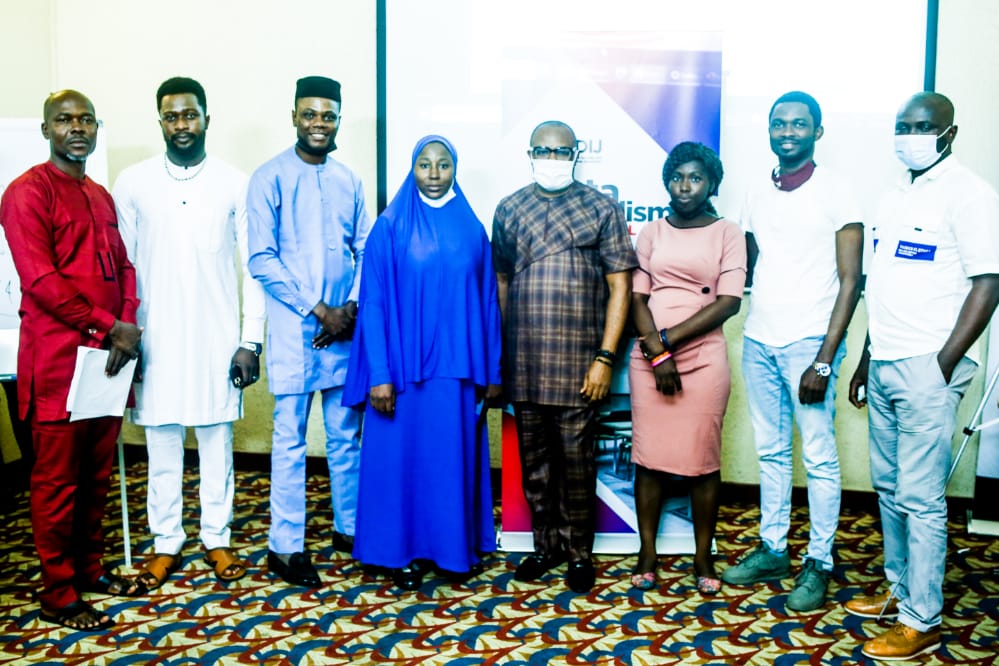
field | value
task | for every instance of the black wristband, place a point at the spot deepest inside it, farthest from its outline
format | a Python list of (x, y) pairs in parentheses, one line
[(604, 360), (607, 354)]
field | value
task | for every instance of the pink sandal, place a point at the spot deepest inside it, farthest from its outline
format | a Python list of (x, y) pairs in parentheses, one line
[(708, 585), (643, 581)]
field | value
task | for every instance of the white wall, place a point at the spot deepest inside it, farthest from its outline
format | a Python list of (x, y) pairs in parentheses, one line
[(25, 56), (967, 62), (247, 54)]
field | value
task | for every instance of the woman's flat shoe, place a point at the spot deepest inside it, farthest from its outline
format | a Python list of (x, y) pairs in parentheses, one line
[(707, 585), (462, 576), (408, 578), (643, 581)]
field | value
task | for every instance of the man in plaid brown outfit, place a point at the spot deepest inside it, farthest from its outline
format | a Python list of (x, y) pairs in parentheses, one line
[(563, 262)]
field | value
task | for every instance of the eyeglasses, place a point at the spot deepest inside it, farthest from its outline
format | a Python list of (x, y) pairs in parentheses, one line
[(546, 153)]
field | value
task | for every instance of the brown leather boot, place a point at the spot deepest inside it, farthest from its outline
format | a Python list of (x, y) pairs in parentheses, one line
[(902, 642)]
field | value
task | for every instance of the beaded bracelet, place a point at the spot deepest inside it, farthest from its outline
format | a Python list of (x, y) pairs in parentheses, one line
[(662, 358)]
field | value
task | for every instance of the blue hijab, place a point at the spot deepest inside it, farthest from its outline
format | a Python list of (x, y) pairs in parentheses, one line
[(427, 306)]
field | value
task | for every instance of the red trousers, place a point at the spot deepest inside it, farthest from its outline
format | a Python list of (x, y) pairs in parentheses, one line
[(69, 487)]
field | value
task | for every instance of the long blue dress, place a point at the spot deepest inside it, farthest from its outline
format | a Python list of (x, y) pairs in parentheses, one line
[(429, 323)]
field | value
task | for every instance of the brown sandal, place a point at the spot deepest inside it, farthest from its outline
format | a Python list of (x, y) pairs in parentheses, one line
[(78, 616), (156, 570), (223, 560)]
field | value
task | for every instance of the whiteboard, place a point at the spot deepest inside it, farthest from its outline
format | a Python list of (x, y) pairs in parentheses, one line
[(22, 146)]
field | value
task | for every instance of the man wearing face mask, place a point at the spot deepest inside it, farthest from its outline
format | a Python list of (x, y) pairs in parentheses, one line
[(932, 287), (563, 261), (182, 216), (805, 241), (307, 230)]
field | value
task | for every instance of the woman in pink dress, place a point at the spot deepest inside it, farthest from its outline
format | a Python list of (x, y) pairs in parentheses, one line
[(692, 270)]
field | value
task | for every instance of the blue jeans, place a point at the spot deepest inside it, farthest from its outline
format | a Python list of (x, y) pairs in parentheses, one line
[(343, 455), (772, 376), (912, 414)]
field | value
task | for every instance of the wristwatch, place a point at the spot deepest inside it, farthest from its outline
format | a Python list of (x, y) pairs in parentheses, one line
[(822, 369), (254, 347)]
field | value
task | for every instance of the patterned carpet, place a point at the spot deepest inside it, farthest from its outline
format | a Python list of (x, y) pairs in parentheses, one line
[(357, 618)]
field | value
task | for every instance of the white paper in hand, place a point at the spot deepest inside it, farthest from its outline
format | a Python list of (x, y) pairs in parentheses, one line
[(8, 351), (93, 394)]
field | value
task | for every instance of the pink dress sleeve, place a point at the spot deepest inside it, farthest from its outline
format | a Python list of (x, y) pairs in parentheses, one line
[(732, 277), (641, 280)]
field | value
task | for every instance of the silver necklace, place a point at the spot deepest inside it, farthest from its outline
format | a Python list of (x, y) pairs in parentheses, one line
[(166, 165)]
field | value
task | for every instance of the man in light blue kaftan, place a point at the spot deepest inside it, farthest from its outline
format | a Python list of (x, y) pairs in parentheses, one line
[(307, 229)]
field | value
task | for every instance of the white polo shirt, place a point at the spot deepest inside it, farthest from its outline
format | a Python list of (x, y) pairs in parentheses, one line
[(795, 282), (930, 238)]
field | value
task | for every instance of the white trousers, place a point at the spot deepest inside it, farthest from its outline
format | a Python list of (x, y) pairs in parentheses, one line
[(165, 501)]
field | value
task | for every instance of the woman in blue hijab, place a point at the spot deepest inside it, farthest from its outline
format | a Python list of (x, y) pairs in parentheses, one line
[(426, 348)]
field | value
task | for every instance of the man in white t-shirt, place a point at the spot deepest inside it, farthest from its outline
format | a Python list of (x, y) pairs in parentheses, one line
[(182, 217), (932, 287), (805, 239)]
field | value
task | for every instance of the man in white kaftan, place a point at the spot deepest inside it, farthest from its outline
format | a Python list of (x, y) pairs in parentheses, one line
[(182, 216)]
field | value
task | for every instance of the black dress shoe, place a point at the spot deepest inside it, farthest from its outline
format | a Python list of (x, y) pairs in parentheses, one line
[(408, 578), (536, 565), (581, 576), (298, 570), (343, 542)]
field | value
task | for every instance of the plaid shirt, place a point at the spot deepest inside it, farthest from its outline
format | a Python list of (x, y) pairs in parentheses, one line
[(556, 253)]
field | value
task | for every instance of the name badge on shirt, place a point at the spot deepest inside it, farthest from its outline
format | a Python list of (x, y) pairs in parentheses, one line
[(915, 251)]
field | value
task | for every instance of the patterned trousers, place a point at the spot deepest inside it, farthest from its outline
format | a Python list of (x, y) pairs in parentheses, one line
[(559, 475)]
